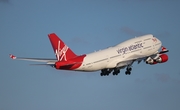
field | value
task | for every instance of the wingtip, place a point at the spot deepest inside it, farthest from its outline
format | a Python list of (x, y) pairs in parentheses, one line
[(12, 56), (163, 48)]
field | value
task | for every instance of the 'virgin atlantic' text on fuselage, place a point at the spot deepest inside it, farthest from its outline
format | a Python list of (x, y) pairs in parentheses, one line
[(129, 48)]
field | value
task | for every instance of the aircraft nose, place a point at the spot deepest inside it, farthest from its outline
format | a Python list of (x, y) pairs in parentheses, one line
[(156, 40), (159, 42)]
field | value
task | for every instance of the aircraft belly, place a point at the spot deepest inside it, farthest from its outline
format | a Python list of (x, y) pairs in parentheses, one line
[(121, 64), (91, 67)]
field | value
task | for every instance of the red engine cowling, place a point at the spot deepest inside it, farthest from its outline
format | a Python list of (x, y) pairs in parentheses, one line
[(162, 58)]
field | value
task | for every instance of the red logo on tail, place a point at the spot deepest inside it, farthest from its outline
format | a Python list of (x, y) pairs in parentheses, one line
[(61, 53)]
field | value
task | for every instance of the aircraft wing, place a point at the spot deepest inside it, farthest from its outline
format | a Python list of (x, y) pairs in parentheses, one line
[(48, 61)]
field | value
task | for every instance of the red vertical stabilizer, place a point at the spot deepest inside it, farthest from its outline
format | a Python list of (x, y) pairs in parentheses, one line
[(61, 50)]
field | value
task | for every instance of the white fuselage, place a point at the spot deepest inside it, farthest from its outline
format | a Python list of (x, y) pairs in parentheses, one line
[(122, 54)]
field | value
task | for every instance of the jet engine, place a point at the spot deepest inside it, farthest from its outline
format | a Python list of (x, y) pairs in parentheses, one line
[(149, 60), (161, 59)]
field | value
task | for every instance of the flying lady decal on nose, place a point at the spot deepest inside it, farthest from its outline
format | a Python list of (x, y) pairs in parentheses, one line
[(154, 39)]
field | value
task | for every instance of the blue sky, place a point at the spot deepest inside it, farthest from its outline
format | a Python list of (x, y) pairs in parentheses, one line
[(86, 26)]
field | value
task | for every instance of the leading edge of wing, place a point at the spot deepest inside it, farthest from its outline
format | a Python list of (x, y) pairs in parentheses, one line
[(47, 60)]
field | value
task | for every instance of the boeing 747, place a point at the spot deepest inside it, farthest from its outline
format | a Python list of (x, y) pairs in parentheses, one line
[(145, 48)]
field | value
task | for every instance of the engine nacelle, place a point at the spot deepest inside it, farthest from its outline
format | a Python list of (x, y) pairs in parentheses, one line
[(162, 58), (149, 60)]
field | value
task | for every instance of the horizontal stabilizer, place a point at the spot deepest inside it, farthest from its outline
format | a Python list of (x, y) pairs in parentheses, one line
[(52, 65)]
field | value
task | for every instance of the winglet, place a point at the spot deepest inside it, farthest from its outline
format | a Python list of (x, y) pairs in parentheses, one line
[(164, 50), (12, 56)]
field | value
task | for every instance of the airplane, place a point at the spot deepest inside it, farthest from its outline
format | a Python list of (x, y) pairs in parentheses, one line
[(110, 60)]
